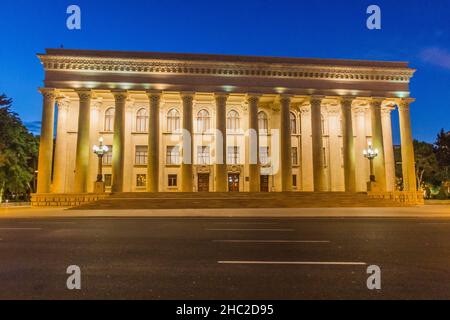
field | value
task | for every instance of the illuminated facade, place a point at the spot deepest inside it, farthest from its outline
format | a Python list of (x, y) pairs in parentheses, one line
[(188, 122)]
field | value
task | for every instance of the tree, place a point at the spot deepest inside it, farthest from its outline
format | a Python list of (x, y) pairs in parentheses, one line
[(427, 168), (442, 151), (18, 151)]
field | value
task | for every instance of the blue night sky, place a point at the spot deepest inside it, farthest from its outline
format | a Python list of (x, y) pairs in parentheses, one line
[(415, 30)]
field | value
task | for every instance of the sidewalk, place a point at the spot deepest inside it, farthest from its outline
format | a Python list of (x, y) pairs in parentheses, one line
[(434, 211)]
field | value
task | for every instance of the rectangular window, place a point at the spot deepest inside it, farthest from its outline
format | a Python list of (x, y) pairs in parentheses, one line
[(203, 155), (107, 158), (141, 180), (294, 156), (233, 155), (173, 180), (324, 154), (141, 155), (264, 156), (173, 155), (294, 180), (108, 180)]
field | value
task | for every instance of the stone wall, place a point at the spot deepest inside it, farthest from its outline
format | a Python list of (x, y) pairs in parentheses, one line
[(64, 200)]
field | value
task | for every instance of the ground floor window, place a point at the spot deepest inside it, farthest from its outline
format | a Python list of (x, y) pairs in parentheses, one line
[(108, 180), (107, 158), (141, 180), (294, 180), (294, 156), (173, 180)]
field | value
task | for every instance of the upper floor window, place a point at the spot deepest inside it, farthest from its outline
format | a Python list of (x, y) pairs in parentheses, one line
[(107, 157), (263, 122), (173, 155), (264, 156), (293, 123), (142, 120), (203, 121), (173, 120), (233, 155), (203, 155), (233, 121), (294, 156), (109, 120), (141, 155)]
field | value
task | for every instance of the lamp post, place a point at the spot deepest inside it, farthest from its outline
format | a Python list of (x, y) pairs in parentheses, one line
[(371, 154), (100, 151)]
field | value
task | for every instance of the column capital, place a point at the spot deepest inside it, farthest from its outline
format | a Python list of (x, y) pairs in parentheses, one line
[(84, 94), (285, 98), (316, 101), (48, 93), (120, 95), (405, 103), (253, 98), (347, 101), (154, 96), (376, 101), (387, 110), (187, 97), (221, 98)]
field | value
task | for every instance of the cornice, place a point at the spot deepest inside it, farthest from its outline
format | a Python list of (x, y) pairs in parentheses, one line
[(224, 69)]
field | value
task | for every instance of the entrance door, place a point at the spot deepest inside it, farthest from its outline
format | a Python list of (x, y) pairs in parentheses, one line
[(203, 182), (264, 183), (233, 182)]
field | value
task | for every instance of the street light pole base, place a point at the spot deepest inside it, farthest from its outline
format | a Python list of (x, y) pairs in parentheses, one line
[(373, 186), (99, 187)]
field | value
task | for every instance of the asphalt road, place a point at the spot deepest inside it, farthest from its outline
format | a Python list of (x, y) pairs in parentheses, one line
[(219, 258)]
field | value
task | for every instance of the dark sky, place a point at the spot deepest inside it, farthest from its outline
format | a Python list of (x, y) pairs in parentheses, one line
[(416, 31)]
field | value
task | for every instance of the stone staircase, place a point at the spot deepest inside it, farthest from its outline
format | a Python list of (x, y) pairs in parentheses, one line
[(129, 201)]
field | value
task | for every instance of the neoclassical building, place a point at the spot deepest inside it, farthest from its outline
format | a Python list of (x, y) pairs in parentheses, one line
[(215, 123)]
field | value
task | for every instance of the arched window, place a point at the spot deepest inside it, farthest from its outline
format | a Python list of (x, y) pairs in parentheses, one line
[(203, 121), (263, 123), (233, 121), (173, 120), (109, 120), (293, 123), (142, 120)]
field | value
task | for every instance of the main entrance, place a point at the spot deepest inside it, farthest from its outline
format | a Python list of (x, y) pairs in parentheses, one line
[(203, 182), (264, 183), (233, 182)]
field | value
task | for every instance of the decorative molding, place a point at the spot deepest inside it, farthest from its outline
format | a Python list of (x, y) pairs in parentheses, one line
[(224, 69), (48, 93)]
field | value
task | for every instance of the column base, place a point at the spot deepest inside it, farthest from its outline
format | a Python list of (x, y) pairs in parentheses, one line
[(99, 187)]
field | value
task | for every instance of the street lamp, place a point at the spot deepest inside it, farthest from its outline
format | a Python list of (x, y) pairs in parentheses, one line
[(371, 154), (100, 151)]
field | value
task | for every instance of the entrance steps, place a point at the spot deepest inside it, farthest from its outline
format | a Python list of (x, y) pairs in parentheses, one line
[(130, 201)]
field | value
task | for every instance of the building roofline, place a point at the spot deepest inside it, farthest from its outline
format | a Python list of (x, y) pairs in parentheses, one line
[(223, 58)]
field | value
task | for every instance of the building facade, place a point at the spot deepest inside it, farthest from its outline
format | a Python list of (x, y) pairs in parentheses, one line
[(212, 123)]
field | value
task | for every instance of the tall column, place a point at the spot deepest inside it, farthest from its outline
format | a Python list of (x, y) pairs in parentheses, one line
[(306, 154), (187, 168), (153, 142), (95, 131), (221, 143), (335, 163), (118, 141), (59, 171), (253, 143), (285, 144), (378, 143), (46, 144), (388, 148), (362, 165), (348, 145), (408, 160), (83, 147), (317, 144)]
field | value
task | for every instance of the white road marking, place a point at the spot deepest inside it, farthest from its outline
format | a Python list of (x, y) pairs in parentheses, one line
[(272, 241), (268, 230), (18, 229), (304, 263)]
